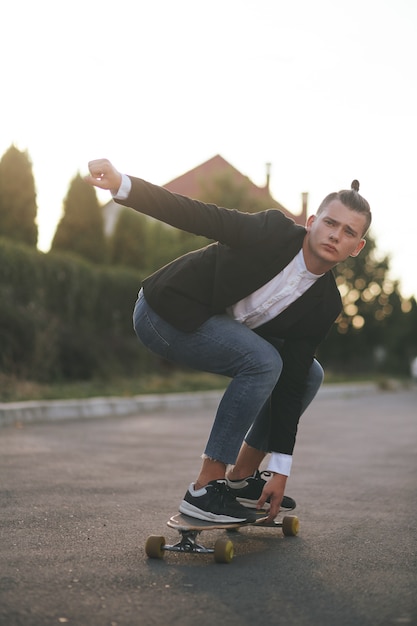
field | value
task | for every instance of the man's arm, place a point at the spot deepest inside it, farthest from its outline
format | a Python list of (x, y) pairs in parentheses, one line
[(228, 226), (286, 398), (286, 401)]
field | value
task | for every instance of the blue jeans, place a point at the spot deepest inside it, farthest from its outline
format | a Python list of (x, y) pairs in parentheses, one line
[(223, 346)]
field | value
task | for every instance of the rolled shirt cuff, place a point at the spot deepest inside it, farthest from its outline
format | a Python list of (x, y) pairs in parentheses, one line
[(280, 463), (124, 189)]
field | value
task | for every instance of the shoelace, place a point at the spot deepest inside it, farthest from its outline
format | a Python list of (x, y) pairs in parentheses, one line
[(224, 492)]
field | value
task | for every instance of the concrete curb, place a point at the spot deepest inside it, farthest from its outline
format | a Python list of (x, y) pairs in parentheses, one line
[(55, 410), (15, 413)]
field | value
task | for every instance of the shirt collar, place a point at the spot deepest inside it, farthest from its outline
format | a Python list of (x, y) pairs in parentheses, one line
[(302, 268)]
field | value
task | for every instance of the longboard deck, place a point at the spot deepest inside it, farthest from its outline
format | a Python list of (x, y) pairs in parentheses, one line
[(183, 522)]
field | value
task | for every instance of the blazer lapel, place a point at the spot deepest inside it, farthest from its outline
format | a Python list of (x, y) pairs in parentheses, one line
[(305, 303)]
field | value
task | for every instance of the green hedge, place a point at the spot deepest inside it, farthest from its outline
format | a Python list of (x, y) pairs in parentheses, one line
[(64, 319)]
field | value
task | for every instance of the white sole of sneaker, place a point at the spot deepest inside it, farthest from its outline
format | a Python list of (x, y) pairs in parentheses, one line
[(192, 511)]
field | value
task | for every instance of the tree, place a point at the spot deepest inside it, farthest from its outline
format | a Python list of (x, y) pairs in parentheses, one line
[(143, 243), (18, 207), (373, 309), (165, 245), (223, 190), (400, 338), (129, 244), (81, 228)]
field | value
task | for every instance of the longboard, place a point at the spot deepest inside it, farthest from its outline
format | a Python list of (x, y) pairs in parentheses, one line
[(189, 528)]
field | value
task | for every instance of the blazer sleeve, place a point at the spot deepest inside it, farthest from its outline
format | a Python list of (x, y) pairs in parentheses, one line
[(297, 354), (286, 398), (228, 226)]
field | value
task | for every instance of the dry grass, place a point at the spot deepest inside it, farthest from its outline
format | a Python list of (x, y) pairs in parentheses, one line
[(16, 390)]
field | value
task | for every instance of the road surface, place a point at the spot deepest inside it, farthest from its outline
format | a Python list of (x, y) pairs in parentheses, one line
[(79, 498)]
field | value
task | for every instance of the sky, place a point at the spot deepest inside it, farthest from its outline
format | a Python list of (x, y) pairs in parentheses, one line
[(324, 90)]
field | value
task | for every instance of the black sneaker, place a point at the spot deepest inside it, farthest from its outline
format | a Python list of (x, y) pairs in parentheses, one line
[(248, 491), (215, 503)]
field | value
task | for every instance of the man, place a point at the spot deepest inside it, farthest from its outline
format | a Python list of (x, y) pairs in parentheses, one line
[(252, 306)]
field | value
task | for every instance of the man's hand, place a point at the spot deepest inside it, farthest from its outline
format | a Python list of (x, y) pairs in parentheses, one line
[(274, 489), (104, 175)]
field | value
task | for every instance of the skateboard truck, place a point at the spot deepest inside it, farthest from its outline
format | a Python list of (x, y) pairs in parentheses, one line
[(188, 543), (223, 550)]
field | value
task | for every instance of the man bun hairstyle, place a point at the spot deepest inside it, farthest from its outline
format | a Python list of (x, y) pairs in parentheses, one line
[(352, 199)]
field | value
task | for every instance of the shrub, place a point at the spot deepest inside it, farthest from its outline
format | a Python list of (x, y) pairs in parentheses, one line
[(64, 319)]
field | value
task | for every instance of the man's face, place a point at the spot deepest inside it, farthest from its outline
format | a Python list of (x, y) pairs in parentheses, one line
[(332, 236)]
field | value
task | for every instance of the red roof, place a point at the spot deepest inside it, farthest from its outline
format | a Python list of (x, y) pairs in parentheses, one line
[(192, 182)]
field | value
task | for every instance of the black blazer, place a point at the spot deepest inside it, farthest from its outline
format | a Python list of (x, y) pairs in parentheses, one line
[(250, 250)]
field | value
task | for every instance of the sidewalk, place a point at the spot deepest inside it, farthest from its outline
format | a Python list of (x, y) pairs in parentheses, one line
[(15, 413)]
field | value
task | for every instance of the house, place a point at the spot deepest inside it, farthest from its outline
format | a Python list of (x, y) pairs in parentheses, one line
[(190, 184), (195, 181)]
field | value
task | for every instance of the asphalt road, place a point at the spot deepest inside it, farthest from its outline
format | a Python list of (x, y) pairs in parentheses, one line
[(79, 498)]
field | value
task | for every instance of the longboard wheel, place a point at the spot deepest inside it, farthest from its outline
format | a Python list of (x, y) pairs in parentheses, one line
[(290, 525), (154, 547), (223, 550)]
